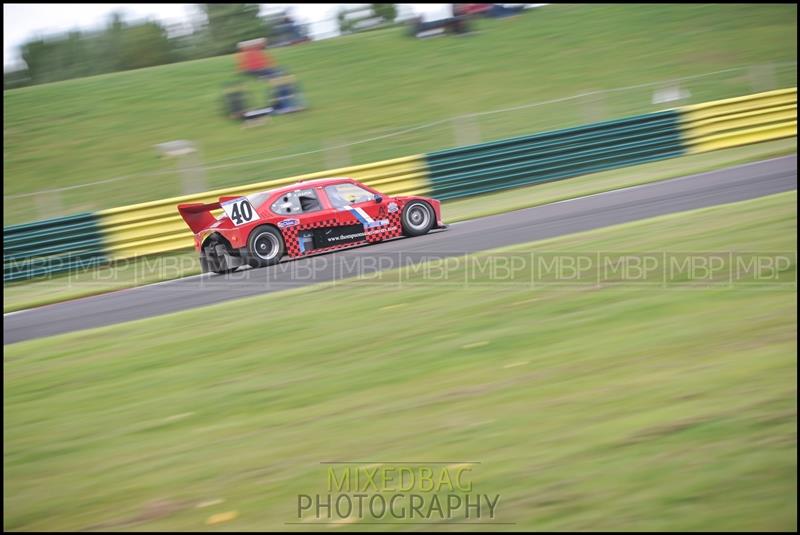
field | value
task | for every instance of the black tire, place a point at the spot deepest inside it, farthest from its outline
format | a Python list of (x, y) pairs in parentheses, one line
[(418, 218), (264, 246), (210, 261)]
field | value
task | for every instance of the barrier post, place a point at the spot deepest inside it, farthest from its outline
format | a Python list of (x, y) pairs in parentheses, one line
[(193, 178), (762, 78), (336, 154), (467, 131), (48, 204), (594, 107)]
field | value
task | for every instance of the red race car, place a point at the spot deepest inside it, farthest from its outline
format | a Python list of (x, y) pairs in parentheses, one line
[(302, 219)]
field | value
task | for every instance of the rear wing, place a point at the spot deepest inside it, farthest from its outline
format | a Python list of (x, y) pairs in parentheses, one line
[(198, 215)]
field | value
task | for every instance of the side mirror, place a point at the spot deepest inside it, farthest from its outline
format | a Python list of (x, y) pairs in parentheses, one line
[(378, 198)]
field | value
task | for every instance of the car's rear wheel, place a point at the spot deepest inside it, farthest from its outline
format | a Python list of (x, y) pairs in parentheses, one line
[(418, 218), (265, 246), (211, 261)]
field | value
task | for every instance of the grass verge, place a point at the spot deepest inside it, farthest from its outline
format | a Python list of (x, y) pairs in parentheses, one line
[(611, 407)]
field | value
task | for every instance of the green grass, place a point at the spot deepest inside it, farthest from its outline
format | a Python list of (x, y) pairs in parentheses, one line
[(617, 407), (137, 272), (372, 84)]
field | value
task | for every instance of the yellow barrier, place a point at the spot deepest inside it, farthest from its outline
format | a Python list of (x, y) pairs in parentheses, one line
[(740, 121), (155, 227)]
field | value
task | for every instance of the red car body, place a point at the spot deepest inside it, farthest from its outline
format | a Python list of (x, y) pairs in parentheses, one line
[(302, 219)]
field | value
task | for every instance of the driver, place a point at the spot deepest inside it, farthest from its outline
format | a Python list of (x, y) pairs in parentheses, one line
[(336, 199)]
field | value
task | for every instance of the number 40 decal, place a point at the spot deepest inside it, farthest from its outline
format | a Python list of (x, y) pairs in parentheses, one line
[(240, 211)]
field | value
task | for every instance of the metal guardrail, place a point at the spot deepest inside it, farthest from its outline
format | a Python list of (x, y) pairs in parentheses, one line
[(554, 155), (739, 121), (52, 246)]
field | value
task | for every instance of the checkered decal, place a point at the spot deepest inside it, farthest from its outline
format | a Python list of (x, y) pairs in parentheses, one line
[(344, 218), (383, 233)]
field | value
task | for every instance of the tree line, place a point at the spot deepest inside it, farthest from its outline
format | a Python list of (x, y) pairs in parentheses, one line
[(122, 45)]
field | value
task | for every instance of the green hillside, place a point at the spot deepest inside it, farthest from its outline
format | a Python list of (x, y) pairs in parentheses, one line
[(373, 84)]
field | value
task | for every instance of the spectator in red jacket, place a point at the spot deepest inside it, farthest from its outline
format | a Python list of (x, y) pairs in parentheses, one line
[(254, 60)]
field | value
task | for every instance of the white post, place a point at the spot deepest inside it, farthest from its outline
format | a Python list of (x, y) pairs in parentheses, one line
[(48, 204), (336, 154), (193, 177), (467, 131), (762, 78)]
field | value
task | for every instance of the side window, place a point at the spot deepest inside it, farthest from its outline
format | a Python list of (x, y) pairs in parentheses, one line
[(257, 199), (297, 202), (342, 195)]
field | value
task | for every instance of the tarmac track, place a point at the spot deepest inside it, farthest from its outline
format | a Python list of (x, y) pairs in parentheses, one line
[(566, 217)]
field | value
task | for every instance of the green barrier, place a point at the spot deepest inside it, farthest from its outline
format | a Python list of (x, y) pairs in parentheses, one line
[(52, 246), (555, 155)]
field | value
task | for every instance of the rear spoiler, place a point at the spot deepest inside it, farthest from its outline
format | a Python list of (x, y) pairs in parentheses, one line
[(198, 215)]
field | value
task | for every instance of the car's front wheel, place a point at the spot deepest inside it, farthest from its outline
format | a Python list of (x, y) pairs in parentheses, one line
[(265, 246), (418, 218)]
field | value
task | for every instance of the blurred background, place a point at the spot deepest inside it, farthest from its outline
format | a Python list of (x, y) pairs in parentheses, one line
[(86, 109)]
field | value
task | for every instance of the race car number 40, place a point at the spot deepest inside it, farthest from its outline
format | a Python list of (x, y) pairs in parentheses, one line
[(240, 211)]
